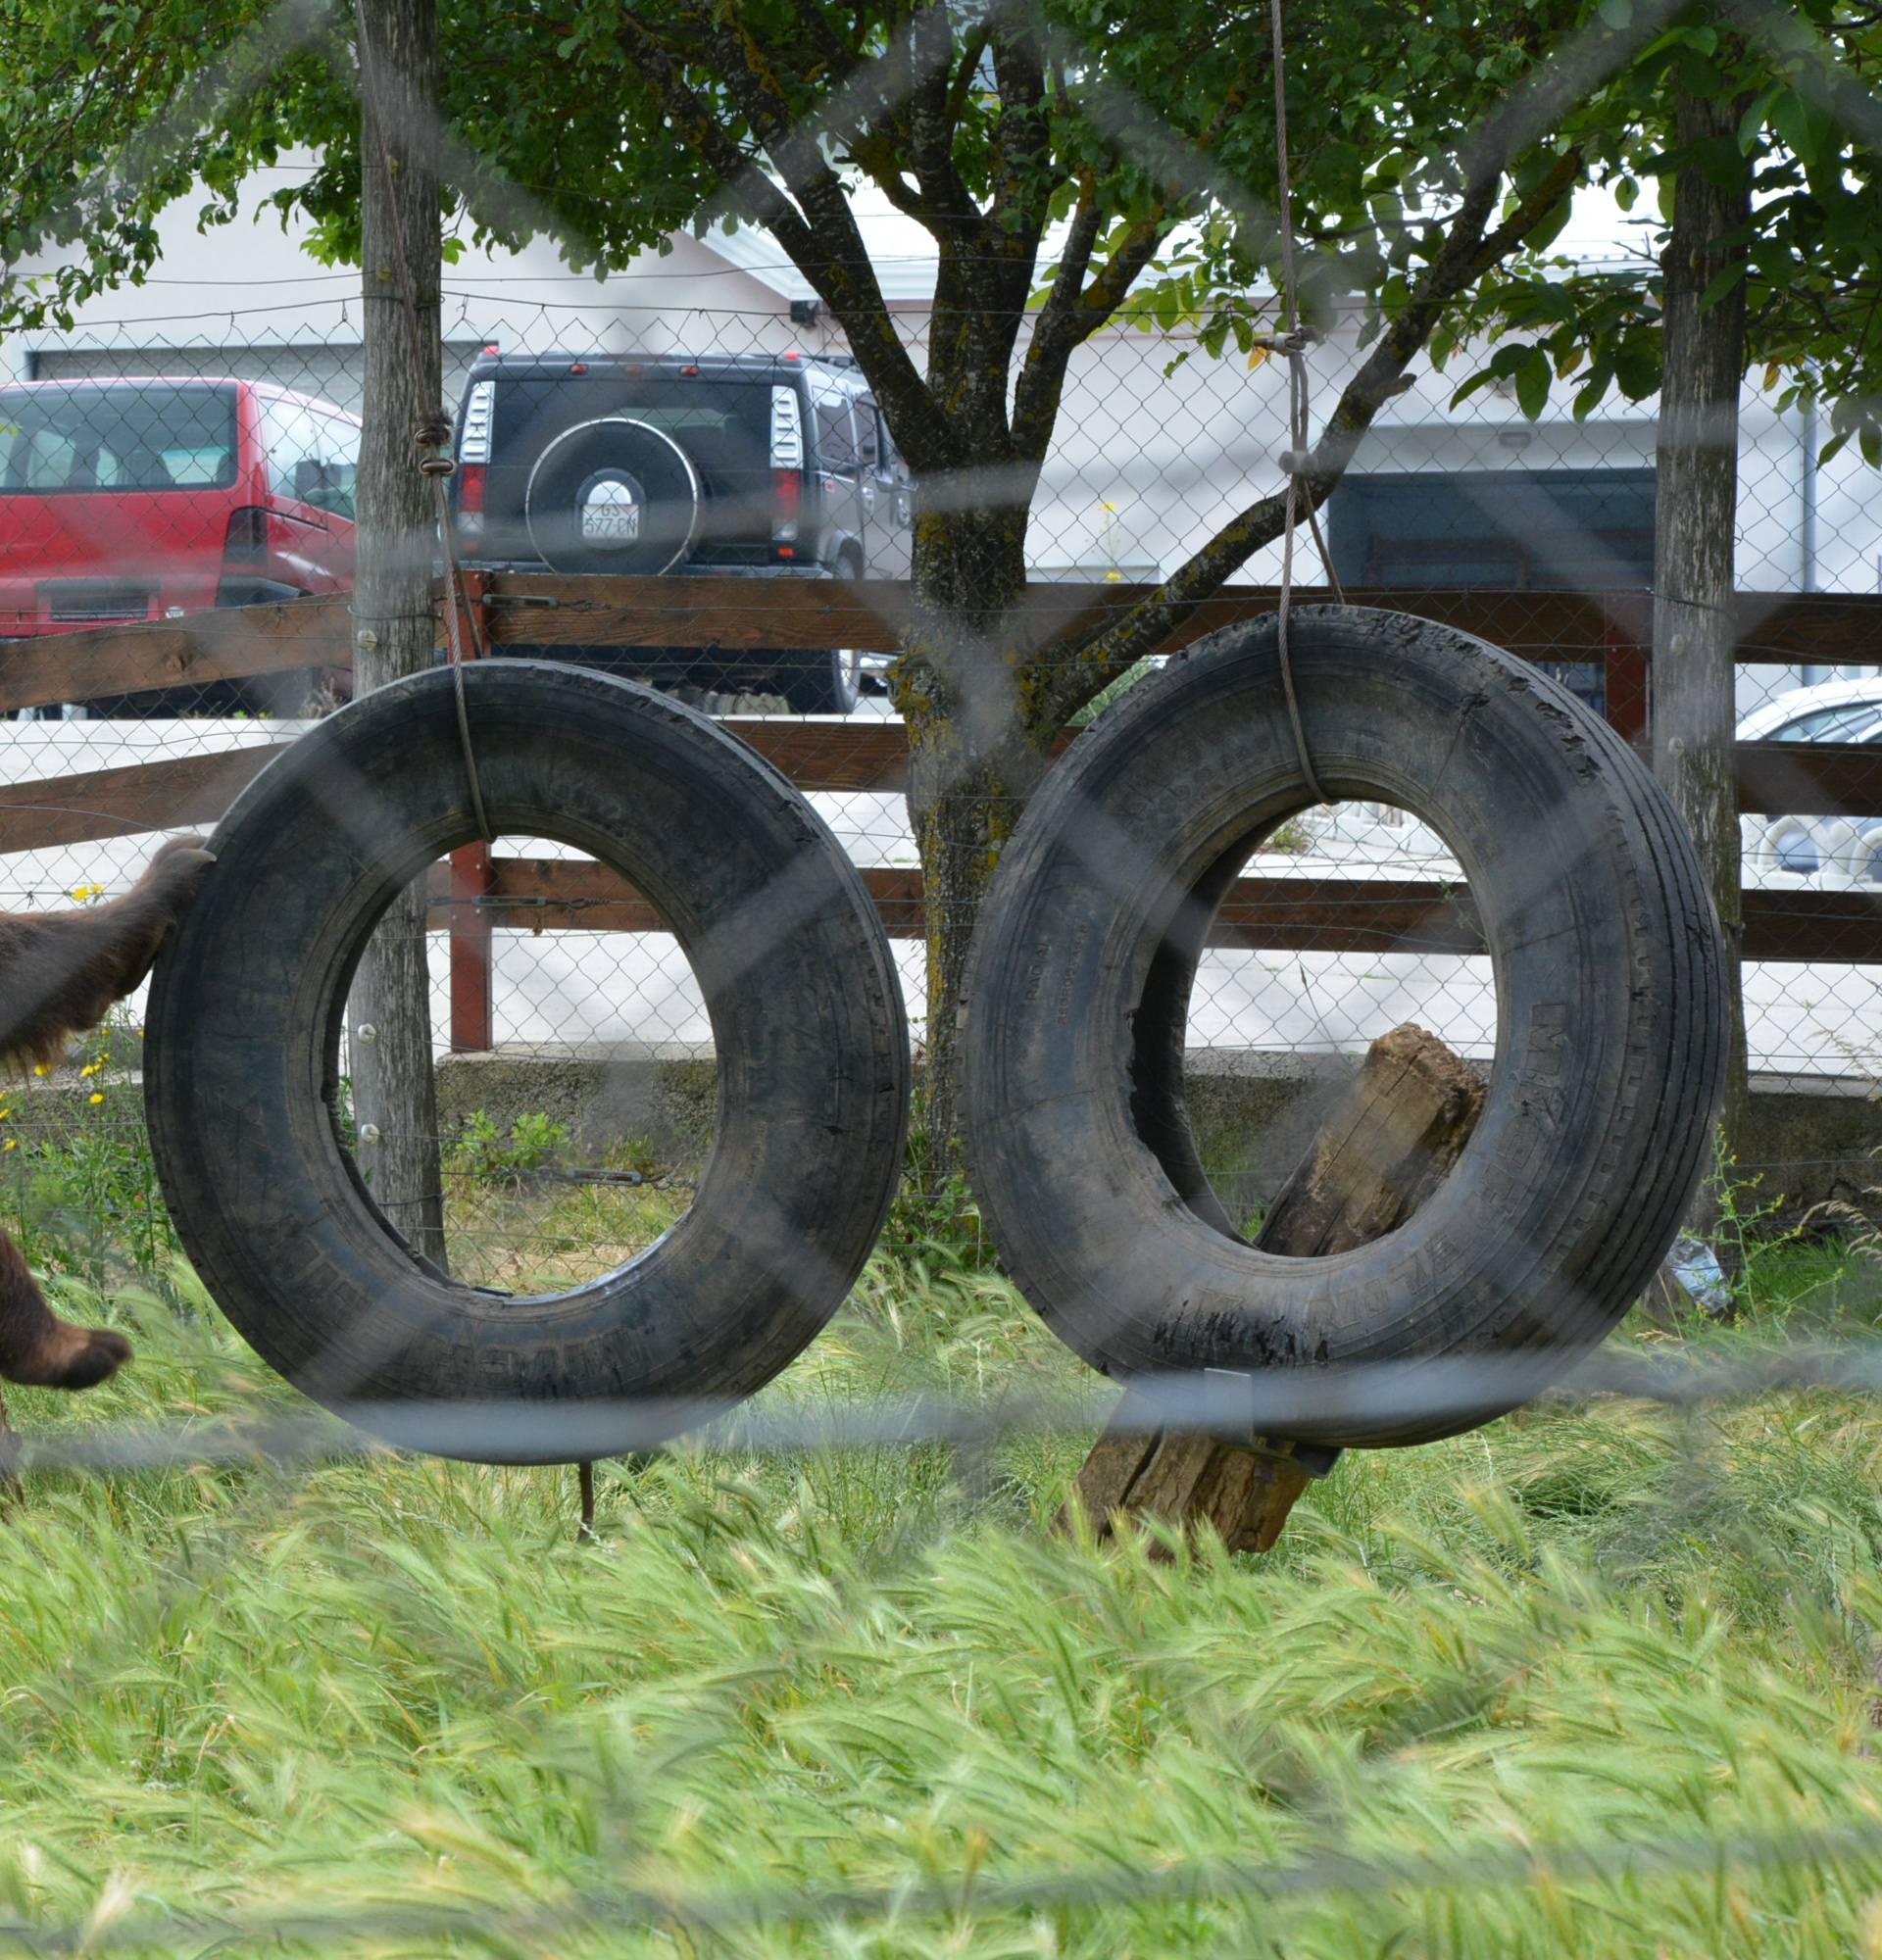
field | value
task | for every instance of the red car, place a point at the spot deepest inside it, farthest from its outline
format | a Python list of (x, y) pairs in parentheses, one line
[(150, 498)]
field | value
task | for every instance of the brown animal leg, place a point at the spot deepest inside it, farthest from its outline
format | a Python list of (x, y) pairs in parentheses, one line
[(60, 971), (37, 1347)]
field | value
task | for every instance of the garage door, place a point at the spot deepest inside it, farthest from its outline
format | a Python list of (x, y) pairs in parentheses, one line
[(333, 374)]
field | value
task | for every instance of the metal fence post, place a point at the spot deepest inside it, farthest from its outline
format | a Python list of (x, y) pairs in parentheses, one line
[(1627, 671), (472, 937)]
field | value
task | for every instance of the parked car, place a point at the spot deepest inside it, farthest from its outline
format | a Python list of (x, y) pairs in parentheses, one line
[(757, 466), (1839, 851), (141, 498)]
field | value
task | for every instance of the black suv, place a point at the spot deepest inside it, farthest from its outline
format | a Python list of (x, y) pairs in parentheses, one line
[(756, 465)]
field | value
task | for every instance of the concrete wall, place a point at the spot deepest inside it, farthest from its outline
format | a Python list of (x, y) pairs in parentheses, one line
[(1812, 1139)]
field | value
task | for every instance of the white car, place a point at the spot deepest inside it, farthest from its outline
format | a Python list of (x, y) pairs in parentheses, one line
[(1841, 853)]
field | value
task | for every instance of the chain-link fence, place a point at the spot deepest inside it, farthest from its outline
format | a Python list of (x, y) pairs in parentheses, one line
[(682, 477), (155, 471)]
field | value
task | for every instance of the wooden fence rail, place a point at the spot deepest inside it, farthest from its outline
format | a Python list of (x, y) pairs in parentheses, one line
[(526, 610), (522, 609), (1817, 779)]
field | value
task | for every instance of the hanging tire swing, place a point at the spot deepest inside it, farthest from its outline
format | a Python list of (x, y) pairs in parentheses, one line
[(1611, 1016), (243, 1080)]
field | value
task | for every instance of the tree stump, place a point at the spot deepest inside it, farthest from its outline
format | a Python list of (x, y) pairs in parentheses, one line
[(1383, 1150)]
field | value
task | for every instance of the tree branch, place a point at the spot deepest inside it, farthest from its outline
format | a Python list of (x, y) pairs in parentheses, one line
[(847, 280), (1069, 318), (1070, 677), (934, 113)]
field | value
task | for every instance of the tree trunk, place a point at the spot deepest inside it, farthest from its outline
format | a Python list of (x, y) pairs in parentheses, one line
[(975, 759), (392, 612), (1694, 705), (1388, 1143)]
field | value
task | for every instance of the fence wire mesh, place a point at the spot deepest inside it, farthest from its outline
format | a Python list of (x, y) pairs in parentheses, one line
[(144, 467), (156, 469)]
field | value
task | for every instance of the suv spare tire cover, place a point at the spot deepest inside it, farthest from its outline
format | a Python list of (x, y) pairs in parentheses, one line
[(244, 1098), (613, 495), (1612, 1018)]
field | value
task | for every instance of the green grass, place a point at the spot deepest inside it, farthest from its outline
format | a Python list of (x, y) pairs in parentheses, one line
[(382, 1684)]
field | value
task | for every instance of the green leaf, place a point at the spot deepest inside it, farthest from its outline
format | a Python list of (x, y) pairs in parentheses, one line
[(1751, 124), (1616, 13), (1803, 128), (1533, 383), (1723, 283), (1551, 226), (1637, 367)]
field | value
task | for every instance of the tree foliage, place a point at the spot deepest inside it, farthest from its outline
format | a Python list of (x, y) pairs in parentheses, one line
[(1798, 84)]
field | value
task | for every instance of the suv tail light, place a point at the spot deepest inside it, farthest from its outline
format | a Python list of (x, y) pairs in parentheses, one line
[(787, 489), (470, 482), (473, 454), (787, 468), (245, 543)]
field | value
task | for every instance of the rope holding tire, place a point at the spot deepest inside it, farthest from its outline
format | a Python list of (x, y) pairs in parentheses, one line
[(1610, 1010), (242, 1083)]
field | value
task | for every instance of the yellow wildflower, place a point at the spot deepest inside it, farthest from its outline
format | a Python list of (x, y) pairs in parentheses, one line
[(97, 1098), (82, 893), (12, 1144), (38, 1068)]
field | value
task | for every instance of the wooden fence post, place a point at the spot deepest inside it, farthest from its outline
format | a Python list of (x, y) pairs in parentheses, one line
[(394, 619)]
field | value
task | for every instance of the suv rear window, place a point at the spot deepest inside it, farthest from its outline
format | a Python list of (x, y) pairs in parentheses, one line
[(153, 436), (725, 425)]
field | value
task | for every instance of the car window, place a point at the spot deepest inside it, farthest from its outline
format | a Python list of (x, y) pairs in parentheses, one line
[(835, 439), (867, 447), (331, 483), (891, 455), (313, 454), (159, 435), (1855, 724), (291, 435), (724, 424), (1852, 721)]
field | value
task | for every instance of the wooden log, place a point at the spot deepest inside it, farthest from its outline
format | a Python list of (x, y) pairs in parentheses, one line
[(1383, 1150)]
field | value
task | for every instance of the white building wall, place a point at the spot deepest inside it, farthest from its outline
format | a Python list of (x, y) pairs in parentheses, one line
[(1145, 467)]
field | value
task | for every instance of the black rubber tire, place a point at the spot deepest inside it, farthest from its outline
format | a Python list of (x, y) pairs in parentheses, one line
[(629, 467), (823, 682), (244, 1027), (1610, 1017)]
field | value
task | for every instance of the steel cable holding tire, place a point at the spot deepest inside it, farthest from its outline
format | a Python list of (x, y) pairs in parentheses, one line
[(1612, 1014), (245, 1022)]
